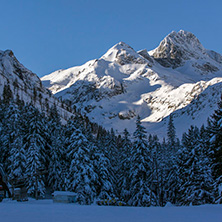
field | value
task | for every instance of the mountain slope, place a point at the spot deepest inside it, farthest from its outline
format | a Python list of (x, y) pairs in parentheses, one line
[(123, 83), (25, 84)]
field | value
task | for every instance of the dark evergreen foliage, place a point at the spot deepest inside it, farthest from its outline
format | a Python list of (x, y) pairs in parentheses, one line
[(7, 94), (82, 175), (196, 181), (171, 133), (215, 134), (80, 156), (124, 166), (141, 170)]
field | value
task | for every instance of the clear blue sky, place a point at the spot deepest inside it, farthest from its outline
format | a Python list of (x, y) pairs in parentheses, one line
[(47, 35)]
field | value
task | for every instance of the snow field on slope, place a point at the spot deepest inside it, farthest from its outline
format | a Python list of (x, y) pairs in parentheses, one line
[(47, 211), (149, 89)]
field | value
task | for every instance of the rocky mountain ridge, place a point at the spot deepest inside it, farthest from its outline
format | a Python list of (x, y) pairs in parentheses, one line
[(123, 83), (177, 48)]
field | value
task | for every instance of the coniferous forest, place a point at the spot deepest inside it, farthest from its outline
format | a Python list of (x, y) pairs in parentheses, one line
[(140, 170)]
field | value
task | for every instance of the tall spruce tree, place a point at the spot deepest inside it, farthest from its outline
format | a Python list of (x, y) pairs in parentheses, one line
[(35, 152), (171, 133), (215, 133), (111, 152), (17, 161), (156, 173), (56, 166), (81, 176), (166, 183), (197, 185), (104, 184), (140, 170), (171, 166), (124, 167)]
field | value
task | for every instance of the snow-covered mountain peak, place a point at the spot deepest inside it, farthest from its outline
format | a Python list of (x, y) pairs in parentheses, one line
[(124, 83), (123, 54), (184, 37), (120, 46), (177, 47)]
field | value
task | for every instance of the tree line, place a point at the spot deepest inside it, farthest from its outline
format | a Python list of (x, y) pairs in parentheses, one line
[(80, 156)]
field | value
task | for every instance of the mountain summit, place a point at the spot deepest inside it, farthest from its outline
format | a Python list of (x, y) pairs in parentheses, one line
[(123, 83), (123, 54), (177, 48)]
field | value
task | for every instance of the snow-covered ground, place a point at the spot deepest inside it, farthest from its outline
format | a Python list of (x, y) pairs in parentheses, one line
[(46, 210)]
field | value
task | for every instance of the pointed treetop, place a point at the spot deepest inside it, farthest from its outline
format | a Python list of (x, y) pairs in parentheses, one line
[(140, 132)]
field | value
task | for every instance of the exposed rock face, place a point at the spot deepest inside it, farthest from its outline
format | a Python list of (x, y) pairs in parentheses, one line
[(176, 48), (206, 67), (125, 56), (146, 55), (127, 115), (83, 91), (214, 55)]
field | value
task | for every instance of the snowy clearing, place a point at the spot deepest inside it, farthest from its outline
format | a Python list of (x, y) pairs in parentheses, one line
[(46, 210)]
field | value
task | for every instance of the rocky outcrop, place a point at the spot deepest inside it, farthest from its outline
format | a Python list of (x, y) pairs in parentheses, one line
[(179, 47)]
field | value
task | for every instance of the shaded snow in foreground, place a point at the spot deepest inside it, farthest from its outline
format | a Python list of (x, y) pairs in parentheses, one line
[(47, 211)]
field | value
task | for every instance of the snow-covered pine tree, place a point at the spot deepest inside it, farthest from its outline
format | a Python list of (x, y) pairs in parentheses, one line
[(78, 121), (124, 166), (215, 130), (140, 170), (6, 132), (35, 152), (171, 167), (16, 160), (111, 152), (197, 185), (56, 166), (156, 181), (11, 129), (81, 176), (70, 127), (105, 180), (189, 140), (111, 149), (164, 184), (7, 94), (171, 133), (215, 133), (207, 185), (2, 151)]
